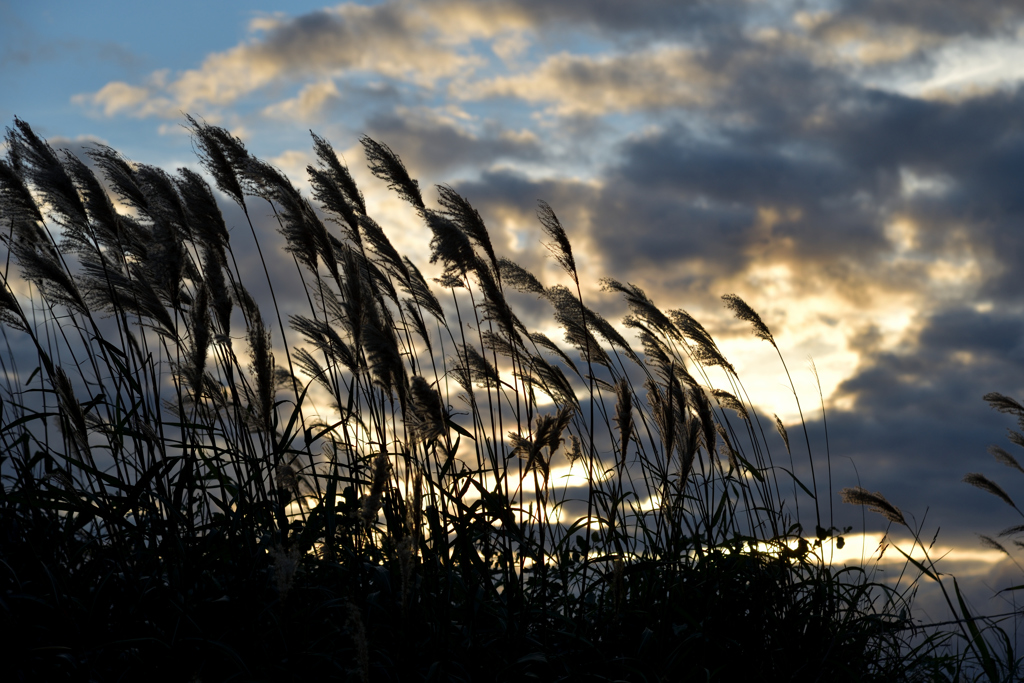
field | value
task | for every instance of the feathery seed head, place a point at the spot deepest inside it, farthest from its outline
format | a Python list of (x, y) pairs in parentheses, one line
[(450, 245), (575, 451), (782, 432), (518, 278), (727, 400), (573, 319), (875, 502), (702, 407), (992, 544), (466, 218), (203, 214), (427, 415), (72, 418), (547, 433), (743, 311), (37, 163), (338, 172), (11, 313), (378, 481), (1004, 404), (559, 246), (221, 154), (1005, 458), (387, 166), (623, 417), (262, 366), (201, 337), (544, 342), (642, 307), (985, 484), (16, 199), (704, 349), (285, 564)]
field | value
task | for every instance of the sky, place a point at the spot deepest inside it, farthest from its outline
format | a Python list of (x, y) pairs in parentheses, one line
[(850, 169)]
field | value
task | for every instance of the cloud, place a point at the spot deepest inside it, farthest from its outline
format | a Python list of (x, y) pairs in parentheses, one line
[(393, 40), (870, 214), (941, 17), (597, 85), (918, 409), (308, 105), (697, 149), (904, 40), (865, 42), (438, 142), (384, 39), (510, 47), (658, 17), (118, 97)]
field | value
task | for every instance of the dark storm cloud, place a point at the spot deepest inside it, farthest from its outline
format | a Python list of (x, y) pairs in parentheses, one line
[(501, 189), (941, 17), (779, 156), (680, 205), (918, 422), (293, 42), (918, 462), (875, 129), (838, 159), (829, 155), (917, 412), (993, 335), (957, 357), (608, 214), (944, 17), (975, 146), (647, 16), (709, 195), (439, 147)]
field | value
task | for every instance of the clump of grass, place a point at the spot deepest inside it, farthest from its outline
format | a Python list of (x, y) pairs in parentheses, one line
[(993, 649), (975, 646), (420, 490)]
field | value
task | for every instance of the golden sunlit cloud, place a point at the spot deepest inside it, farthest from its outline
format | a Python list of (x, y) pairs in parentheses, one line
[(881, 550), (388, 40), (121, 98), (593, 86), (309, 103), (871, 44)]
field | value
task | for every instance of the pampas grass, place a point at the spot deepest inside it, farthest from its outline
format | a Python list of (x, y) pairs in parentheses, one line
[(407, 483)]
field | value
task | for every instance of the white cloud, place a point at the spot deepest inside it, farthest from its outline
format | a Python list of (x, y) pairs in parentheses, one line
[(582, 84), (869, 43), (394, 40), (511, 46), (971, 67), (117, 97), (308, 105)]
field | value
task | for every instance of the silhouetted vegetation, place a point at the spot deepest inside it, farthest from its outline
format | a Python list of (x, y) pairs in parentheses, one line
[(421, 488)]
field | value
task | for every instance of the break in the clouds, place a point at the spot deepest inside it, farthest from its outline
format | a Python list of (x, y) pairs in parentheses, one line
[(849, 168)]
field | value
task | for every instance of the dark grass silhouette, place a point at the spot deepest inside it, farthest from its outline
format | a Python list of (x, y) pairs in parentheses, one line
[(416, 490)]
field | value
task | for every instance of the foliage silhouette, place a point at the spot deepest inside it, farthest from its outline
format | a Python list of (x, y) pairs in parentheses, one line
[(174, 497)]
